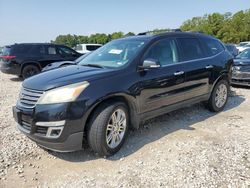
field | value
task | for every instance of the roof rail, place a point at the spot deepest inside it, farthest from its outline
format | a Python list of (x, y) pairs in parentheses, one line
[(196, 32), (153, 33)]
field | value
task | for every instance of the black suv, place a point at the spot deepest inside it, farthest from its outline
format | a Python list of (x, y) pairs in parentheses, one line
[(119, 86), (28, 59)]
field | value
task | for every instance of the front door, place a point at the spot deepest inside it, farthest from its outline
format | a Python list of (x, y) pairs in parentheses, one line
[(161, 86)]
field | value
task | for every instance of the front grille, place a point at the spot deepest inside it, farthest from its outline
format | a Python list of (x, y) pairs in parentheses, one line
[(28, 98), (41, 130), (26, 126), (245, 68)]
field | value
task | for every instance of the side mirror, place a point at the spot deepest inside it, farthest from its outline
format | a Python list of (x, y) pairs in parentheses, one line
[(150, 64)]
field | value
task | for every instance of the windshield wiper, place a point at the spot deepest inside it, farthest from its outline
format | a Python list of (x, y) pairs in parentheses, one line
[(93, 65)]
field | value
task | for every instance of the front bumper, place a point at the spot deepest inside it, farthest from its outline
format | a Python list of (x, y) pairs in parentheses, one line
[(51, 126), (241, 78)]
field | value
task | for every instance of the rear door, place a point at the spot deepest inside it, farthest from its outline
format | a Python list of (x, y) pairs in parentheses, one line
[(197, 68), (162, 86), (49, 55)]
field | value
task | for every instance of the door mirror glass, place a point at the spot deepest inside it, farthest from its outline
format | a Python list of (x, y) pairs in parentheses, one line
[(150, 64)]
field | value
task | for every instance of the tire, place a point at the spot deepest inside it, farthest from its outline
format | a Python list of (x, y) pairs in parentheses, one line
[(30, 70), (219, 93), (99, 132)]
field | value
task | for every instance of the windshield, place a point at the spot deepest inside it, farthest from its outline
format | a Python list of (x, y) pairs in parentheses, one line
[(244, 55), (81, 57), (243, 43), (114, 54)]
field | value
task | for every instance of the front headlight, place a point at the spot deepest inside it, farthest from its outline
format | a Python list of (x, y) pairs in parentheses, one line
[(236, 68), (67, 93)]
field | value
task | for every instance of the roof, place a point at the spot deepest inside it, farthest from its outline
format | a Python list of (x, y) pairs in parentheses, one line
[(173, 34)]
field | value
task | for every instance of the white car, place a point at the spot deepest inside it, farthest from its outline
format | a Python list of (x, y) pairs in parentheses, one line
[(243, 45), (86, 48)]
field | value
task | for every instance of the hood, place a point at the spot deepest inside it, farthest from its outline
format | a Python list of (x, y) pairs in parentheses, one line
[(242, 62), (57, 65), (64, 76)]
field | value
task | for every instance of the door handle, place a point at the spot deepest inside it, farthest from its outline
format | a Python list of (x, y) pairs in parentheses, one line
[(209, 66), (179, 73)]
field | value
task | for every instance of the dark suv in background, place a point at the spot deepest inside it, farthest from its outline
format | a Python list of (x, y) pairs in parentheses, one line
[(28, 59), (119, 86)]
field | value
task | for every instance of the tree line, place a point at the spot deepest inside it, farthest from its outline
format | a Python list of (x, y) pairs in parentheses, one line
[(228, 27)]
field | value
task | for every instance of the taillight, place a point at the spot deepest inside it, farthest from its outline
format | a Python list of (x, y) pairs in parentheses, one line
[(8, 57)]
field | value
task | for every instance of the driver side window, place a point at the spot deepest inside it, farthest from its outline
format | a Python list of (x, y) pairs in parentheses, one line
[(66, 51), (164, 52)]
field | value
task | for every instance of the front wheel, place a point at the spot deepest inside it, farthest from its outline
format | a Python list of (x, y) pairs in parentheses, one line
[(219, 96), (108, 128)]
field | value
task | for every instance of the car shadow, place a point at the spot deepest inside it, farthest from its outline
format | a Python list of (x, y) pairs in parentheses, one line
[(241, 87), (155, 129), (16, 79)]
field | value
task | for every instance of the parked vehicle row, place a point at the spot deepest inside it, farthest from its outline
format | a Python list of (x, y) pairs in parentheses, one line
[(119, 86), (241, 69), (243, 45), (28, 59)]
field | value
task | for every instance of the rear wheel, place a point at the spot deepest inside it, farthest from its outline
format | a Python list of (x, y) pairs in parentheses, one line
[(30, 70), (219, 96), (108, 128)]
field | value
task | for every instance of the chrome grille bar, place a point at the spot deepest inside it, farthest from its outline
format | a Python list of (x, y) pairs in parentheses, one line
[(28, 98)]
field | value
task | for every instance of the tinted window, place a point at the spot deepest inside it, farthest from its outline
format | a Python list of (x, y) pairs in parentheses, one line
[(164, 51), (213, 46), (21, 49), (37, 50), (190, 49), (51, 50), (92, 47), (65, 51), (244, 55)]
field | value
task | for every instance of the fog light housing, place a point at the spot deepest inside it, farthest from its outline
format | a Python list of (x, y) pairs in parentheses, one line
[(54, 128), (54, 132)]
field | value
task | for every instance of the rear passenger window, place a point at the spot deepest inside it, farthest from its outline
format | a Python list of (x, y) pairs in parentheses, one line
[(190, 49), (213, 46), (164, 51), (51, 50), (37, 50)]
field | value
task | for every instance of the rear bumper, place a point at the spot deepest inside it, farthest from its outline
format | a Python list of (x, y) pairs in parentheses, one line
[(9, 68)]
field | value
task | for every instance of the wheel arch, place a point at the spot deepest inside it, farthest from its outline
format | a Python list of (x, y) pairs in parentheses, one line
[(127, 99), (223, 76), (30, 63)]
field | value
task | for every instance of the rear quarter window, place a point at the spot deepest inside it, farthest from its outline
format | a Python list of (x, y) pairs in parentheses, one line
[(190, 49), (21, 49), (213, 46)]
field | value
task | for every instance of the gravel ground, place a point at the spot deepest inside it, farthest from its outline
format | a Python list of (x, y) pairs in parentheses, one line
[(190, 147)]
